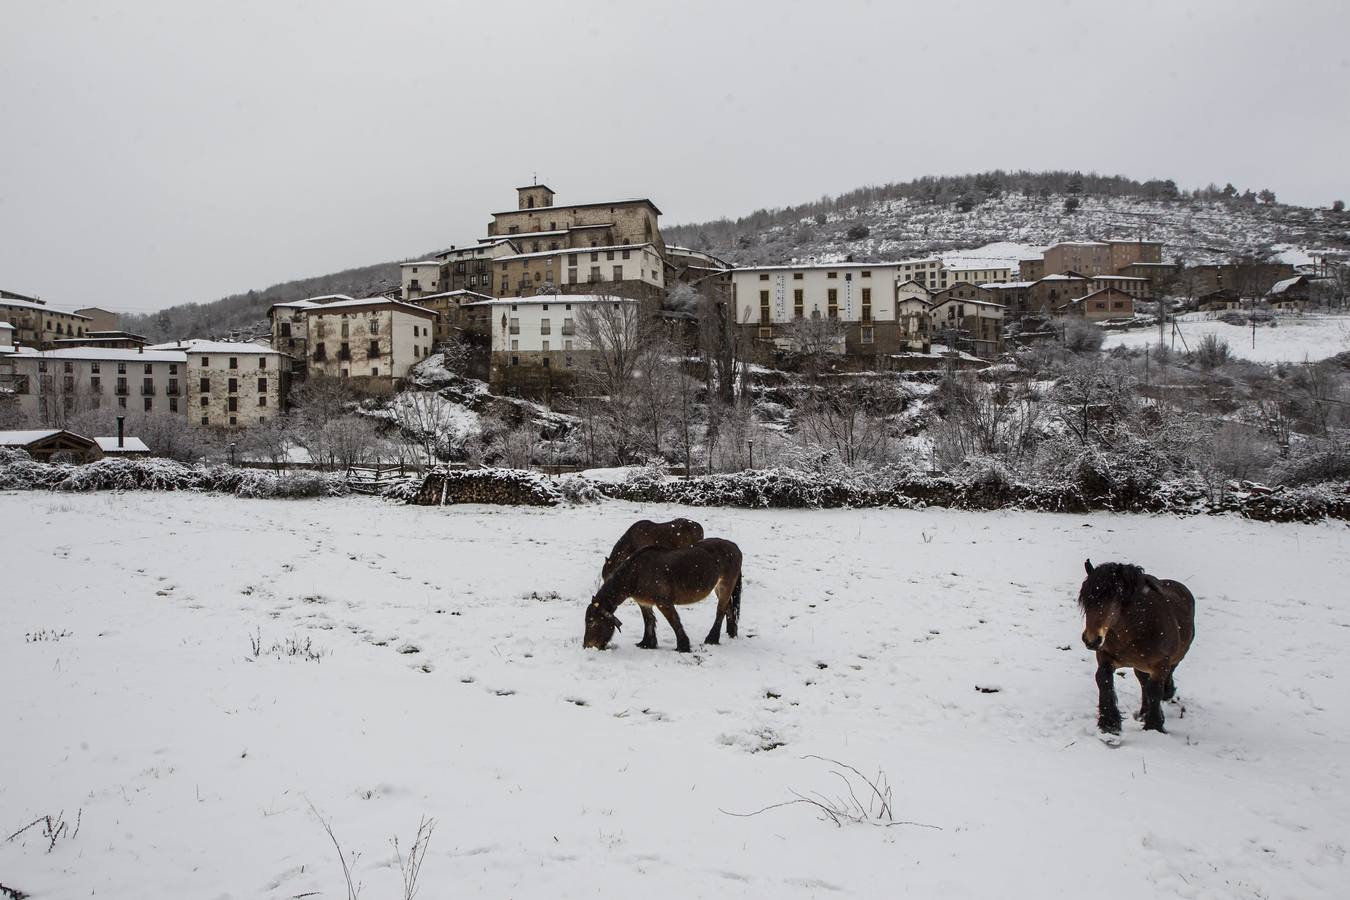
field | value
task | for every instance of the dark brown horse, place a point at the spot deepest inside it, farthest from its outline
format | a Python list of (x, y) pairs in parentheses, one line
[(661, 578), (672, 535), (1139, 622)]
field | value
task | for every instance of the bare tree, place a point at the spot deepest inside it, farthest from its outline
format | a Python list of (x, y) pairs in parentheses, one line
[(721, 342), (619, 337), (849, 418), (816, 340)]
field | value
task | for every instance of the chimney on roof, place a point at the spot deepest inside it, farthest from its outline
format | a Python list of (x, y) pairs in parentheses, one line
[(121, 431), (849, 258)]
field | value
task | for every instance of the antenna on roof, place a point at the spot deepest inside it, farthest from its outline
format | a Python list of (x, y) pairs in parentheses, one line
[(535, 178)]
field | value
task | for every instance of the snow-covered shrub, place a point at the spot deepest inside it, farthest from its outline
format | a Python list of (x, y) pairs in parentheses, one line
[(1313, 465), (577, 490)]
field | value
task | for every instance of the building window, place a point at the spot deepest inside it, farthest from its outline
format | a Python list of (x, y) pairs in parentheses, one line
[(262, 362), (867, 335), (173, 404), (374, 350), (832, 302), (96, 384), (796, 276), (173, 368), (763, 276), (764, 307), (205, 400), (147, 402), (122, 402), (515, 345), (262, 400), (798, 303), (832, 275), (234, 362), (515, 360), (67, 367), (205, 420), (121, 368), (545, 347), (232, 404), (262, 385)]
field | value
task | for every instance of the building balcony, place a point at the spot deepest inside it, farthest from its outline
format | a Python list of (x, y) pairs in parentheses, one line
[(569, 330), (147, 390), (514, 329), (173, 390), (545, 330), (122, 391)]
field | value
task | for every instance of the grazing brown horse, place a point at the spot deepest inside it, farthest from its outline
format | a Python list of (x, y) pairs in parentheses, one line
[(672, 535), (1139, 622), (661, 578)]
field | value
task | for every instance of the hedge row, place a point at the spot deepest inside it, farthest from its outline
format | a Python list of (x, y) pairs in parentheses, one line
[(18, 471)]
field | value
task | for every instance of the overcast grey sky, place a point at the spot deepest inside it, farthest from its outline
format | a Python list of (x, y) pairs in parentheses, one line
[(154, 153)]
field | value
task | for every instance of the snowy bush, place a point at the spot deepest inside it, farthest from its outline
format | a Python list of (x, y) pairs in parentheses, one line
[(1330, 462), (21, 473), (577, 490)]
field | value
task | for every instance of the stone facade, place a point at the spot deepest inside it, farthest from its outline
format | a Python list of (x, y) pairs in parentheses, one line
[(1052, 291), (1106, 303), (38, 325), (620, 222), (235, 385), (631, 269), (975, 326), (376, 340)]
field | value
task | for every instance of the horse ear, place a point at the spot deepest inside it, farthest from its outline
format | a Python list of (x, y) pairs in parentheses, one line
[(1087, 564)]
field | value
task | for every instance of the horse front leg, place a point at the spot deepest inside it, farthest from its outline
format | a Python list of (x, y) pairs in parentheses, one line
[(1143, 695), (1153, 696), (1108, 714), (681, 639), (648, 641)]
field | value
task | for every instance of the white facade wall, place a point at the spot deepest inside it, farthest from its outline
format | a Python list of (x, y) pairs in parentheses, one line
[(545, 324), (234, 386), (421, 277), (54, 384), (847, 280)]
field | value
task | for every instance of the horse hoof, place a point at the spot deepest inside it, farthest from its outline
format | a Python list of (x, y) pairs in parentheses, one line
[(645, 645), (712, 640), (682, 649)]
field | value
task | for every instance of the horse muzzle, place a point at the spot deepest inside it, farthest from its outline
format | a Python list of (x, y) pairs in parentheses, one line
[(1094, 641)]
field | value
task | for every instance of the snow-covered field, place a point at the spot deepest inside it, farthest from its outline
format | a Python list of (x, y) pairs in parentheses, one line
[(1294, 339), (452, 684)]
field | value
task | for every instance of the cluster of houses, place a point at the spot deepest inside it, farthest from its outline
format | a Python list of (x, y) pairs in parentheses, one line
[(516, 296)]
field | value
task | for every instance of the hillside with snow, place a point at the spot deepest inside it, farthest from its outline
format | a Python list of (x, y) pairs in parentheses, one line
[(1028, 211)]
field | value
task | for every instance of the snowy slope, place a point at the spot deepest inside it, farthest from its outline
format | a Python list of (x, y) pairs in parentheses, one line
[(555, 772), (1294, 339)]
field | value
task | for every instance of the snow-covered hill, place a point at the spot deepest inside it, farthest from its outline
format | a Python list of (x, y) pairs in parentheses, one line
[(1195, 230)]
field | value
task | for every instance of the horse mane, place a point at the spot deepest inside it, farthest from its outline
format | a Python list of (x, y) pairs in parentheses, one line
[(1130, 577)]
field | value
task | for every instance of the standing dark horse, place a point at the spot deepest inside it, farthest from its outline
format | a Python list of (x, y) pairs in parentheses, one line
[(672, 535), (665, 579), (1140, 622)]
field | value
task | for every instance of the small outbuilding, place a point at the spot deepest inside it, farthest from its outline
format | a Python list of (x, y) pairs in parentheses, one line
[(48, 443), (122, 447)]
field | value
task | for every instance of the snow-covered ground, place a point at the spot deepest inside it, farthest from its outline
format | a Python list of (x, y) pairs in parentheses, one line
[(452, 684), (1293, 339)]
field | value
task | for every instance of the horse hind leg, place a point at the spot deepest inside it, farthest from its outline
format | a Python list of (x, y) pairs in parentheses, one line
[(648, 641), (1143, 695), (1170, 692), (723, 608), (673, 618), (1153, 695)]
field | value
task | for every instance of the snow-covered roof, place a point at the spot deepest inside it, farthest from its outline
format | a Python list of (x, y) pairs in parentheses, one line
[(129, 445), (422, 262), (104, 354), (1063, 278), (201, 345), (1080, 244), (24, 438), (562, 250), (6, 325), (324, 308), (816, 265), (542, 209), (1280, 287), (1105, 290), (967, 300), (553, 298), (40, 307), (458, 293), (1118, 278), (1006, 285)]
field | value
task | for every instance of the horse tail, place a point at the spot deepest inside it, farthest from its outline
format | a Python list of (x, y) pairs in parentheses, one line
[(736, 602)]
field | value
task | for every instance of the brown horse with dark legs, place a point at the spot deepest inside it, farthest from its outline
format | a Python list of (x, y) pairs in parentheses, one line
[(664, 579), (672, 535), (1139, 622)]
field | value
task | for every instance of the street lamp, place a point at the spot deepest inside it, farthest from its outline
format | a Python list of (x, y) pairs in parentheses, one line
[(751, 442), (231, 452)]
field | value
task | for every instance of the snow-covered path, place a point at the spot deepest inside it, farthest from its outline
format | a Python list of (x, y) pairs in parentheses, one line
[(555, 772)]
